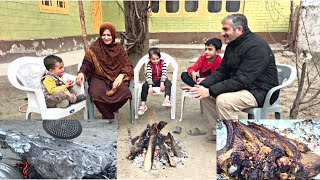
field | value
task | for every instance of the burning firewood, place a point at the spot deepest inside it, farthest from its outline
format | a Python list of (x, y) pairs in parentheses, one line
[(153, 142), (255, 152)]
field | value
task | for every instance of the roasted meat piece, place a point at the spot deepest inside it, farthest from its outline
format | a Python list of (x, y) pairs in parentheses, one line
[(255, 152)]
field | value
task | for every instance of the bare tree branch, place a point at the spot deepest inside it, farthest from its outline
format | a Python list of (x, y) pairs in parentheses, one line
[(311, 98), (119, 5), (309, 105)]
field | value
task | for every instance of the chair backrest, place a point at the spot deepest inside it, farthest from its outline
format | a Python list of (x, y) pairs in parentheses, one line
[(28, 70), (145, 59), (286, 75), (285, 72)]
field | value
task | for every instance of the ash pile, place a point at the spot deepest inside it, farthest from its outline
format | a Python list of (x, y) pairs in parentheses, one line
[(253, 151), (63, 159), (152, 150)]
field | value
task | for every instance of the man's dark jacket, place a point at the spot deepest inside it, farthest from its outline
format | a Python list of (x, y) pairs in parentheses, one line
[(248, 63)]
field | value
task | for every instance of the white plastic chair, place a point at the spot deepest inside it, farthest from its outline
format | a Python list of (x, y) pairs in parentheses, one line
[(183, 97), (284, 72), (90, 104), (25, 73), (138, 85)]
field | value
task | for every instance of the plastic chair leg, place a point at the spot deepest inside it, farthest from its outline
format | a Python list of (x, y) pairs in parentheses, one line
[(182, 107), (90, 109), (28, 116), (131, 117), (136, 116), (85, 113)]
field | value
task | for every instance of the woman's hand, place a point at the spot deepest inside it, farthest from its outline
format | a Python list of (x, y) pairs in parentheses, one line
[(118, 81), (79, 79)]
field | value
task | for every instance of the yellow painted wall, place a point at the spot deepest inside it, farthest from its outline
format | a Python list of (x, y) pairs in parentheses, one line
[(112, 13), (268, 16), (263, 16), (23, 20)]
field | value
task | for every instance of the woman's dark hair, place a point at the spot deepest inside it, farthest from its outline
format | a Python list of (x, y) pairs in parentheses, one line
[(154, 50), (214, 42), (50, 61)]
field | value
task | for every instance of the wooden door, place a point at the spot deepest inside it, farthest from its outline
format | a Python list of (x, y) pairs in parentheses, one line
[(96, 15)]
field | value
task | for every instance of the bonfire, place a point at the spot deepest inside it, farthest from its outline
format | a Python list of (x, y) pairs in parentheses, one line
[(151, 145)]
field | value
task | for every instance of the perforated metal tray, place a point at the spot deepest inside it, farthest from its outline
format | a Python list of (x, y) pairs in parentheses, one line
[(62, 129)]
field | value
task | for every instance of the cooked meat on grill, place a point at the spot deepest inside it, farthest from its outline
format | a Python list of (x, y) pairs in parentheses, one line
[(255, 152)]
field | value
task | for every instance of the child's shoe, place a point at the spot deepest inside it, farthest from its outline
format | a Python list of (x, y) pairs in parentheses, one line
[(81, 97), (63, 104), (166, 103), (142, 110)]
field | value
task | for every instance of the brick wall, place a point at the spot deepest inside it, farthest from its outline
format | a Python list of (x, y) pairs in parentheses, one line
[(268, 16)]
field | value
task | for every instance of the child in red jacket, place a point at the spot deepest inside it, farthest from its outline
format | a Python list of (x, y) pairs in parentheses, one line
[(206, 63), (156, 76)]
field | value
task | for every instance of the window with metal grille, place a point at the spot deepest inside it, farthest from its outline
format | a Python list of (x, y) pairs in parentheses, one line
[(154, 6), (191, 6), (61, 4), (172, 6), (54, 6), (195, 7), (214, 6), (232, 6)]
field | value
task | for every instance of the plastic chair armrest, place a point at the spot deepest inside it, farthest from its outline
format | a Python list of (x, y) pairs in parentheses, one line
[(76, 88)]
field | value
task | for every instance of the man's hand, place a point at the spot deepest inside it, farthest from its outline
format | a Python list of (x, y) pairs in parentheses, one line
[(69, 84), (162, 87), (79, 79), (118, 81), (198, 91)]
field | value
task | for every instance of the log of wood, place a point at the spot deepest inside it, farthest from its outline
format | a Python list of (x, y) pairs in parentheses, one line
[(149, 155), (175, 148)]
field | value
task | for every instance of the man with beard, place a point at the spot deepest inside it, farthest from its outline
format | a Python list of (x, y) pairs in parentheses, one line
[(245, 75)]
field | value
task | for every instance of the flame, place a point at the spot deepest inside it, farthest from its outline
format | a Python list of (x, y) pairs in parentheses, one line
[(25, 167)]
